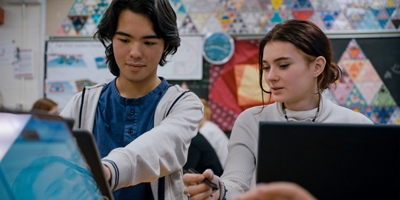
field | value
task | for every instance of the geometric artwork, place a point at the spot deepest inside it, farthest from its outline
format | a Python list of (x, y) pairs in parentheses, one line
[(362, 89), (234, 15), (231, 86)]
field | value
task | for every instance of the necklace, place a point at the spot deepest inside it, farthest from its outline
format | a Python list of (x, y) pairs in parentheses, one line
[(287, 119)]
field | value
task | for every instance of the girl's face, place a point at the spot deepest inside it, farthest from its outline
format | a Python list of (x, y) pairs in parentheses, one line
[(290, 77)]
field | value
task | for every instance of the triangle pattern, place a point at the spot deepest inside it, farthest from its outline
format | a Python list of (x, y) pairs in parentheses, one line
[(66, 26), (335, 15), (381, 115), (395, 117), (355, 51), (276, 4), (382, 17), (368, 74), (225, 18), (343, 88), (238, 4), (187, 26), (353, 67), (250, 20), (355, 16), (341, 23), (383, 98), (61, 31), (368, 90), (328, 17), (212, 25), (251, 6), (178, 6), (369, 22), (78, 21), (302, 9), (355, 98), (264, 4), (199, 19), (237, 26)]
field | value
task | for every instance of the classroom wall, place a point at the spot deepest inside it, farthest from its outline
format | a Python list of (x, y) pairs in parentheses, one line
[(28, 27), (23, 25)]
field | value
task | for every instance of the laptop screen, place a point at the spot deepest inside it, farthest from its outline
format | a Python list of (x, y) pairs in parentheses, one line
[(332, 161), (39, 159)]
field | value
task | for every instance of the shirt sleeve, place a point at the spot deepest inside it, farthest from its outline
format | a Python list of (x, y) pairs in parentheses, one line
[(241, 162), (160, 151)]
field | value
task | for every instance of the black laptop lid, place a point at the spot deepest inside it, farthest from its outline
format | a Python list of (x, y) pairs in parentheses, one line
[(332, 161)]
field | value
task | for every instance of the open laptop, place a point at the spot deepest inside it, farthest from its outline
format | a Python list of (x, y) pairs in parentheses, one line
[(40, 159), (332, 161), (89, 150)]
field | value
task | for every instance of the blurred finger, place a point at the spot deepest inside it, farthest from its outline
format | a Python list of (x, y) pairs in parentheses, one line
[(200, 191), (192, 179)]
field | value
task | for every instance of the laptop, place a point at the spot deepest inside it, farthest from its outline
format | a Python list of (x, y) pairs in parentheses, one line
[(332, 161), (88, 148), (40, 159)]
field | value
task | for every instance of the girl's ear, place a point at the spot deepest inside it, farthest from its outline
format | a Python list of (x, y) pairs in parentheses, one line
[(319, 65)]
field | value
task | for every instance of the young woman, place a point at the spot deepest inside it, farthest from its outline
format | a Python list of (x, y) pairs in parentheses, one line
[(295, 60)]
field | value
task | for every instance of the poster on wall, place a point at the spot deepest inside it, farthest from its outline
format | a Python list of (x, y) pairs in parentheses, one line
[(187, 62), (23, 65), (70, 66)]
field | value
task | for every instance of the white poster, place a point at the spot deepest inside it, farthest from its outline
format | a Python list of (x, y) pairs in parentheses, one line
[(72, 65), (187, 63), (23, 64)]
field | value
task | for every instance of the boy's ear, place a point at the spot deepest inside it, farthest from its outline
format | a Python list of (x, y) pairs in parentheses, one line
[(165, 48), (319, 65)]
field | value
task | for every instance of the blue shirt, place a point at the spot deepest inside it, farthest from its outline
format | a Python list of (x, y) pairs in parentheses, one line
[(119, 121)]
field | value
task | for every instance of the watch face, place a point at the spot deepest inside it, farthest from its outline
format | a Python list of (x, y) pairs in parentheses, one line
[(218, 48)]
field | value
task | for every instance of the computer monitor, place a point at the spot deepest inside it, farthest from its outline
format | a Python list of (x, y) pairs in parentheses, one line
[(332, 161), (39, 159)]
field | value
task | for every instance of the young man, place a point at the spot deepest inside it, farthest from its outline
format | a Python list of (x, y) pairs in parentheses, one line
[(142, 125)]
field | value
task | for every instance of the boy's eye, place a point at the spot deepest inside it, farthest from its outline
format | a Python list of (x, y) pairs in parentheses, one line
[(124, 40), (149, 43)]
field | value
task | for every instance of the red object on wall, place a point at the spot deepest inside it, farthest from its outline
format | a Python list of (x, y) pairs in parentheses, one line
[(1, 16), (225, 84)]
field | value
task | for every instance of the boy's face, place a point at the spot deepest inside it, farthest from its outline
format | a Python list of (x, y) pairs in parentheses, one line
[(137, 48)]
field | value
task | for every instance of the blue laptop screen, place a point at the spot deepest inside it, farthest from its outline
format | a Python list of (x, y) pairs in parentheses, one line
[(41, 160)]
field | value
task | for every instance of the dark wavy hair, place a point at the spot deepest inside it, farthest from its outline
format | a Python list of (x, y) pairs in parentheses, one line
[(160, 14), (311, 41)]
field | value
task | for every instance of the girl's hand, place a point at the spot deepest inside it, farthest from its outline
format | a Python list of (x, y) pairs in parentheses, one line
[(196, 189)]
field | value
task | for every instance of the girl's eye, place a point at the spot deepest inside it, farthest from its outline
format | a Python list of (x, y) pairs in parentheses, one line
[(284, 66), (266, 68)]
